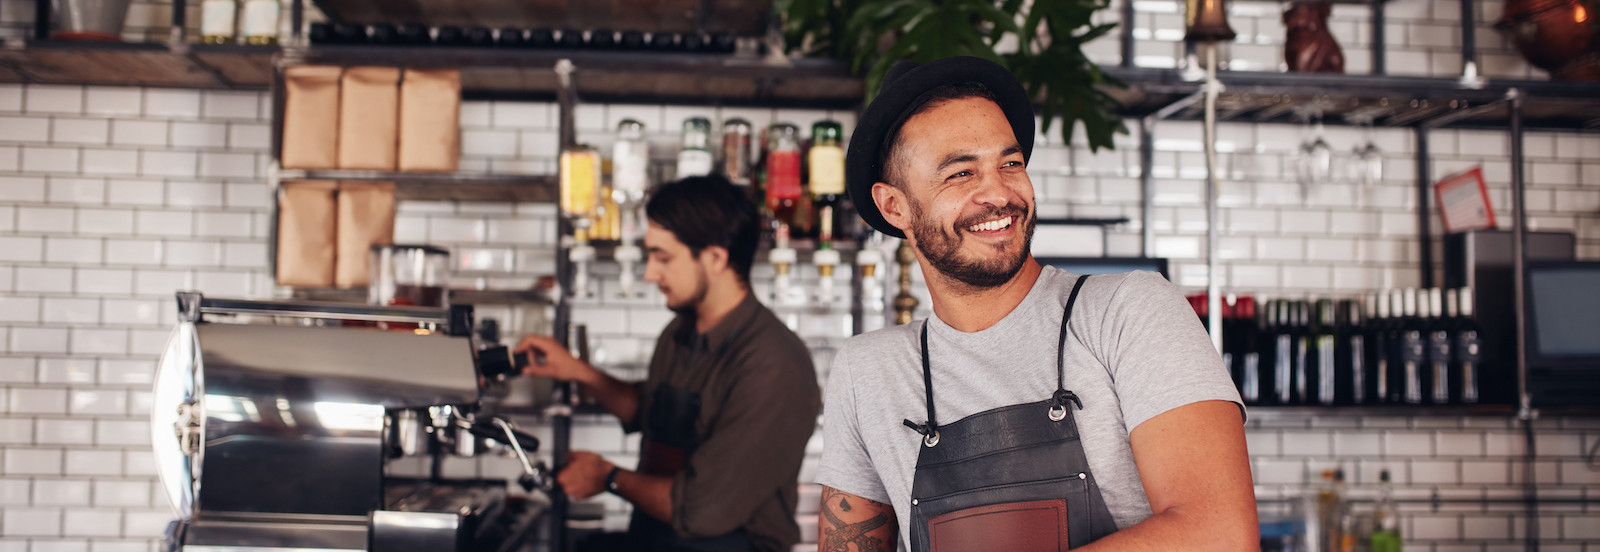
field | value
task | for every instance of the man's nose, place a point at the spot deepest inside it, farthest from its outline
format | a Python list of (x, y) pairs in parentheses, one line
[(992, 191)]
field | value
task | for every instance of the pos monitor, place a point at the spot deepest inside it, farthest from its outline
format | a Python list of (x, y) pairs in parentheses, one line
[(1563, 300)]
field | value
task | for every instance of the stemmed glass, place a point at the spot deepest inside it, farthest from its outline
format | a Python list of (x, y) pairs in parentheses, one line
[(1314, 162)]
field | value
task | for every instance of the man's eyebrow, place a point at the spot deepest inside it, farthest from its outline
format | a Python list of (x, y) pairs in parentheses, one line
[(1012, 150), (953, 159)]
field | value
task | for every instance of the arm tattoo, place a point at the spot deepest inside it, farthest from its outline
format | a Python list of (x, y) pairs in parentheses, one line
[(839, 535)]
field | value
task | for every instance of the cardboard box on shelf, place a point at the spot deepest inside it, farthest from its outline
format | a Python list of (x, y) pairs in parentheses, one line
[(311, 117), (306, 233), (430, 120), (366, 218), (369, 104)]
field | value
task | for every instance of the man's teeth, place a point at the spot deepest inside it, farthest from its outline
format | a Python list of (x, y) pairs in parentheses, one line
[(991, 225)]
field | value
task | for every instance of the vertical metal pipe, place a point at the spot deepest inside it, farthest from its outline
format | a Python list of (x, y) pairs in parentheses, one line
[(1147, 185), (297, 19), (1127, 33), (1469, 41), (1213, 237), (1519, 254), (1519, 249), (180, 26), (41, 20), (1380, 42), (561, 420), (1424, 208)]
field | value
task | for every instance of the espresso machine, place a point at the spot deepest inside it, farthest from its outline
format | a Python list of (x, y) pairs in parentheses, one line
[(275, 425)]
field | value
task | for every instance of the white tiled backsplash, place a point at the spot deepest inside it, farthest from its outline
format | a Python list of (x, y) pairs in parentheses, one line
[(112, 198)]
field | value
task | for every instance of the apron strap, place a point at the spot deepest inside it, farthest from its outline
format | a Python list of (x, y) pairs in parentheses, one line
[(930, 430), (1063, 396)]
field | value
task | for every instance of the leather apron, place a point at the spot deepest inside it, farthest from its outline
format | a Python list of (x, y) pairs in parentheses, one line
[(668, 438), (1013, 478)]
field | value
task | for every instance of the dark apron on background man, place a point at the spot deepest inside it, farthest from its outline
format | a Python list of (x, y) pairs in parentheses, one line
[(668, 438), (1013, 478)]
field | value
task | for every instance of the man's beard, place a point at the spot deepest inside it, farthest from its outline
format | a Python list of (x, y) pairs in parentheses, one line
[(690, 305), (942, 248)]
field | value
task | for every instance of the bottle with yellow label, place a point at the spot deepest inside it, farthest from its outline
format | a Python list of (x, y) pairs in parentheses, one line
[(826, 159)]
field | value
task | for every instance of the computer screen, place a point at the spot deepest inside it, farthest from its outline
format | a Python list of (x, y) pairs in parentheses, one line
[(1107, 265), (1564, 306)]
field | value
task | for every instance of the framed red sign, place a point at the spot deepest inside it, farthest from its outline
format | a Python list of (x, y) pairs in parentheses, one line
[(1464, 202)]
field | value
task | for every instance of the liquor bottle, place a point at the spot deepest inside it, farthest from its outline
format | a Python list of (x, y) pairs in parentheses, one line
[(1230, 339), (1282, 354), (260, 26), (1350, 355), (696, 158), (827, 178), (783, 174), (1248, 356), (1439, 340), (1376, 347), (1301, 339), (1466, 349), (1413, 350), (630, 176), (217, 21), (1385, 518), (736, 154), (1321, 342)]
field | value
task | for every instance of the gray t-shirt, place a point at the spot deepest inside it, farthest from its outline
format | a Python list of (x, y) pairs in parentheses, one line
[(1135, 350)]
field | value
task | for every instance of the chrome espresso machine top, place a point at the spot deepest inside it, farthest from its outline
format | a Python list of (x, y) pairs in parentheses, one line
[(273, 423)]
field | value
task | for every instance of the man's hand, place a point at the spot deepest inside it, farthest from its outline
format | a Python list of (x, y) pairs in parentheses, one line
[(558, 363), (585, 474), (848, 520)]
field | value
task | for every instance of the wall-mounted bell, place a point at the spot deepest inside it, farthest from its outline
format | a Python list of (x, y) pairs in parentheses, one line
[(1206, 21)]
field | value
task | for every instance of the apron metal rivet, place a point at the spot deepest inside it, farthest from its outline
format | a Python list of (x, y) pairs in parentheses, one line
[(913, 502), (1058, 413), (931, 440), (1082, 475)]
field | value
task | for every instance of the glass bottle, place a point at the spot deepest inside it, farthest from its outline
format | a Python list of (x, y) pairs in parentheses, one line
[(736, 153), (1466, 349), (1322, 342), (827, 177), (1413, 350), (695, 159), (217, 21), (1283, 354), (260, 26), (1385, 518), (630, 177), (783, 174), (1351, 357), (580, 187), (1439, 340)]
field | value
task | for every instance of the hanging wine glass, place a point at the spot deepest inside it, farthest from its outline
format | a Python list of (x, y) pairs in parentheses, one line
[(1314, 162)]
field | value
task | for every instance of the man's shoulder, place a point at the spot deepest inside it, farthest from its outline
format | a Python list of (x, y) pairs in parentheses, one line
[(879, 346)]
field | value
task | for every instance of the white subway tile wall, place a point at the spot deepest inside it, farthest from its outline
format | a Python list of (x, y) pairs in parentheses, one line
[(112, 198)]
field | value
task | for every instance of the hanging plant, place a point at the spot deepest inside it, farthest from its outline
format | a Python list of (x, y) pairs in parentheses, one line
[(1048, 36)]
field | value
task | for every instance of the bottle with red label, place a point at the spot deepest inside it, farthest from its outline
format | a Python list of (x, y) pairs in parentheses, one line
[(783, 175)]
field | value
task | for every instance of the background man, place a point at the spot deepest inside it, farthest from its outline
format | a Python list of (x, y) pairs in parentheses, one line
[(730, 400), (1035, 410)]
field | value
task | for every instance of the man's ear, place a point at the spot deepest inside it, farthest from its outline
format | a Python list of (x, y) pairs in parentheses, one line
[(715, 258), (894, 205)]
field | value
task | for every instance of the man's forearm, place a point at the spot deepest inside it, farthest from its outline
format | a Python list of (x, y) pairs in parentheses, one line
[(651, 494), (618, 397), (1176, 529)]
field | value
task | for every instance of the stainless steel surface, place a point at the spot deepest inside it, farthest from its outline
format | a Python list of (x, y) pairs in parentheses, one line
[(419, 531), (277, 535), (301, 407)]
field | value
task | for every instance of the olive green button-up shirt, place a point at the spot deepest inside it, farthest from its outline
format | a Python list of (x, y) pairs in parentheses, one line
[(759, 402)]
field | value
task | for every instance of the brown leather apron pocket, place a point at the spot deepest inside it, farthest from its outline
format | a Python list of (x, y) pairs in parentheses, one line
[(1033, 526)]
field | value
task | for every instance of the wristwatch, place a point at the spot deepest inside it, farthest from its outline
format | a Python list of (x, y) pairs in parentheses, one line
[(611, 480)]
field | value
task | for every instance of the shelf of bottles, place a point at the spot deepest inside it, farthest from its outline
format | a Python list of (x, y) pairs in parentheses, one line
[(1391, 351), (796, 184)]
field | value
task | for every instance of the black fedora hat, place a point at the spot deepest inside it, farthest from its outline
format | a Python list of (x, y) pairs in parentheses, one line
[(905, 82)]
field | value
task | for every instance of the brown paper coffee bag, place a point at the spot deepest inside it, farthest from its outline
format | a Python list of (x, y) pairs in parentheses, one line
[(430, 120), (311, 117), (369, 103), (366, 218), (306, 233)]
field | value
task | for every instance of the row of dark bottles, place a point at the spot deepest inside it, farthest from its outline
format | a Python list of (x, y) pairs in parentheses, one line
[(1398, 347), (412, 34)]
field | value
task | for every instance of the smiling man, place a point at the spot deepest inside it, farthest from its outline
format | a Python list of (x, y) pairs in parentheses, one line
[(1036, 409), (730, 400)]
